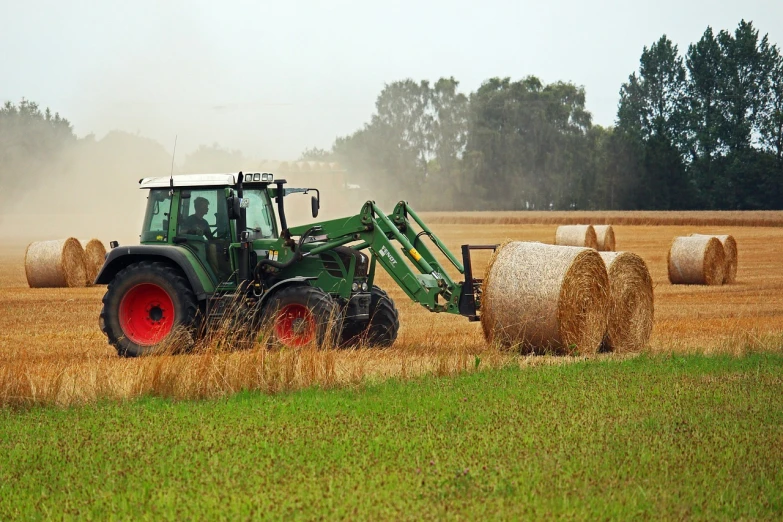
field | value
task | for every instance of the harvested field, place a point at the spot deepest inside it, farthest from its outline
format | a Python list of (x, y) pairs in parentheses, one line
[(755, 218), (51, 347)]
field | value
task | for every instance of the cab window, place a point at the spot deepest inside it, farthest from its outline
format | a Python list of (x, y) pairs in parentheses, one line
[(156, 219), (203, 213), (260, 216)]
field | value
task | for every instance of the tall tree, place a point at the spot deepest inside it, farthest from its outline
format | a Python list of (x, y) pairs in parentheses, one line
[(652, 112), (527, 140), (747, 65), (704, 64)]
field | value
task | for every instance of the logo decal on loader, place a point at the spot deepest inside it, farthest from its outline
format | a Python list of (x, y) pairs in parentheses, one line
[(385, 253)]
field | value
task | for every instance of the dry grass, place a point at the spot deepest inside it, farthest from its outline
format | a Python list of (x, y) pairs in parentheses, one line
[(52, 351)]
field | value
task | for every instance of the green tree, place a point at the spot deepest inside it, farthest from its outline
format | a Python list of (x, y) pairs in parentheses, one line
[(30, 140), (652, 112), (704, 117), (527, 143)]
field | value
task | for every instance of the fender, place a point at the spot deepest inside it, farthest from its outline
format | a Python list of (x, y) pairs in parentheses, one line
[(287, 282), (122, 256)]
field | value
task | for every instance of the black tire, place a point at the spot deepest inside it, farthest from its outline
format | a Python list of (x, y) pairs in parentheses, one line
[(381, 330), (299, 315), (130, 318)]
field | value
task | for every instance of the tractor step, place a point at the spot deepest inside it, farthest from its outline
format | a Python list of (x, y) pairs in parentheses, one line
[(219, 306)]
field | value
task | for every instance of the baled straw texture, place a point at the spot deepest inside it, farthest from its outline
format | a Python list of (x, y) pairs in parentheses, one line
[(576, 235), (696, 260), (94, 256), (605, 237), (730, 249), (545, 298), (631, 308), (55, 264)]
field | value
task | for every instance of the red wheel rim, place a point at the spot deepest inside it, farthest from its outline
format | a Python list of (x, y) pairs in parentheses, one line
[(146, 314), (295, 325)]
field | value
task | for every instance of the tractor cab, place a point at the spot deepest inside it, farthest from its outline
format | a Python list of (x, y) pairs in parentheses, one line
[(198, 212)]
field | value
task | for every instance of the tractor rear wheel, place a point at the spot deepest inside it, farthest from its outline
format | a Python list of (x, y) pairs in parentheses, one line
[(144, 304), (301, 315), (382, 328)]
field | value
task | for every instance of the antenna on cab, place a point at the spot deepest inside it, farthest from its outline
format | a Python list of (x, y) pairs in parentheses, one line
[(171, 176)]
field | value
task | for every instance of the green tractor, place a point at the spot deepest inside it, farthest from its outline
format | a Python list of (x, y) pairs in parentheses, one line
[(210, 246)]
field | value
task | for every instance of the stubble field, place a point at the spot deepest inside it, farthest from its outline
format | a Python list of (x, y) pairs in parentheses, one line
[(52, 351)]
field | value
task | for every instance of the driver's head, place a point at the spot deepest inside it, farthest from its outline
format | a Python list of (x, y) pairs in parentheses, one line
[(202, 206)]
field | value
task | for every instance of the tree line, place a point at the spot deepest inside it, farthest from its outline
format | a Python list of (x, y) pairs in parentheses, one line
[(699, 131)]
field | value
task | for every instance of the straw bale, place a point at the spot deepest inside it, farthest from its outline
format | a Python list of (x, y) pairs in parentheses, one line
[(545, 298), (94, 256), (730, 249), (576, 235), (55, 264), (696, 260), (604, 237), (631, 308)]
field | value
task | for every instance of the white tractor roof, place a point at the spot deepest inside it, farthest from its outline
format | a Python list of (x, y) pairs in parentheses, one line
[(193, 180)]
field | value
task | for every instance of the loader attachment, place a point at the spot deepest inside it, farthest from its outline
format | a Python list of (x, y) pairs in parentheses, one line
[(470, 299)]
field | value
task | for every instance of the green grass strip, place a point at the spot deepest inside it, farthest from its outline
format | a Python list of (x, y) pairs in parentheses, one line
[(652, 437)]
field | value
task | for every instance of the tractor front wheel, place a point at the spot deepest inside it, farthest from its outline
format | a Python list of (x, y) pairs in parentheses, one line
[(301, 315), (382, 328), (143, 305)]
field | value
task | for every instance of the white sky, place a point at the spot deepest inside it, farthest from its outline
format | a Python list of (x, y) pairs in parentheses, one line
[(273, 77)]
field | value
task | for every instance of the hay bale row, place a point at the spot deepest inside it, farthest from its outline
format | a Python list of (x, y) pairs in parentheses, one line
[(599, 237), (563, 300), (632, 304), (63, 263), (696, 260), (576, 236), (94, 255), (730, 252), (545, 298)]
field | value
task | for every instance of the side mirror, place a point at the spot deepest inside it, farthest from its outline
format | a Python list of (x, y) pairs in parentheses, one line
[(233, 204), (315, 205)]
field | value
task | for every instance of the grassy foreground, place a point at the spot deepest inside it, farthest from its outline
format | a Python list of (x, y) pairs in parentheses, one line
[(674, 437)]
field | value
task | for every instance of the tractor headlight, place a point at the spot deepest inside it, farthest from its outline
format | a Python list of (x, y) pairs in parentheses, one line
[(266, 176), (365, 287), (257, 176), (355, 287)]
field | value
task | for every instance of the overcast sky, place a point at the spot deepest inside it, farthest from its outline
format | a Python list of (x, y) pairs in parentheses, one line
[(271, 78)]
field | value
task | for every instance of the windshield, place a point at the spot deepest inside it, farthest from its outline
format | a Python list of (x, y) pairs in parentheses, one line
[(260, 216)]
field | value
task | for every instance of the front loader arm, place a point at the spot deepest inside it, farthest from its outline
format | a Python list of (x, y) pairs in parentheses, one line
[(428, 285)]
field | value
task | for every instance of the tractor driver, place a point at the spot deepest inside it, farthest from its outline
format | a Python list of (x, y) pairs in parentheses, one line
[(195, 223)]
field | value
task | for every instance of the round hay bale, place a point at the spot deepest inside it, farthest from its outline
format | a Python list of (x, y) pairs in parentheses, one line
[(55, 264), (695, 260), (730, 250), (604, 237), (631, 307), (545, 298), (94, 256), (576, 235)]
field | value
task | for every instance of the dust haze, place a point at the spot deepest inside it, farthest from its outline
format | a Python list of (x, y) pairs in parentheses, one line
[(88, 188)]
